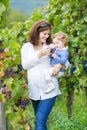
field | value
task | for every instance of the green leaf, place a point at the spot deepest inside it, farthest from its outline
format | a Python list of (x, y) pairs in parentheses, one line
[(85, 19), (2, 8), (5, 2), (77, 71), (9, 81)]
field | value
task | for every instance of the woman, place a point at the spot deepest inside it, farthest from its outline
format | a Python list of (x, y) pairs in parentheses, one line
[(35, 59)]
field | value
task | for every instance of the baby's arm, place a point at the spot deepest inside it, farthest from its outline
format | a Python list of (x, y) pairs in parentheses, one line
[(62, 57)]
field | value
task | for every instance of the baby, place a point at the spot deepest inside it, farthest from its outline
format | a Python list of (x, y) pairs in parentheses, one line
[(58, 54)]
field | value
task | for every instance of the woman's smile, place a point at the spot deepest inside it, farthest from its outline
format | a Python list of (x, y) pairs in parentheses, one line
[(44, 35)]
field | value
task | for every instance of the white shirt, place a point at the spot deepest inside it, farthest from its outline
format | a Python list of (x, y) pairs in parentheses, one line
[(35, 66)]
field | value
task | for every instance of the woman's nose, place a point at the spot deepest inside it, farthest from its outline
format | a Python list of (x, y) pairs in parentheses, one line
[(47, 36)]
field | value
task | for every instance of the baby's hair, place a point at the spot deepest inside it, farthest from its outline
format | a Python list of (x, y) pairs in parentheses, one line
[(61, 36)]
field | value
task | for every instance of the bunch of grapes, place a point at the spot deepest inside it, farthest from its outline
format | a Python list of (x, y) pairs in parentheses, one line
[(72, 69), (22, 103), (84, 65), (2, 50), (19, 68), (4, 90), (10, 72)]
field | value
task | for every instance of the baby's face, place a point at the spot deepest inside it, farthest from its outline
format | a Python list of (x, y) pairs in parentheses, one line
[(55, 40), (58, 42)]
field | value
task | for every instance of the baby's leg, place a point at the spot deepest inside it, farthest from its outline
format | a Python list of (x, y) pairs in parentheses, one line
[(48, 73), (47, 76)]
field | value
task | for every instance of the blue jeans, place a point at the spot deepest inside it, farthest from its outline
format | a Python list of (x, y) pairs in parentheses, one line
[(42, 109)]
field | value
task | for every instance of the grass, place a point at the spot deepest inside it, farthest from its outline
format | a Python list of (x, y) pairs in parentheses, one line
[(58, 119)]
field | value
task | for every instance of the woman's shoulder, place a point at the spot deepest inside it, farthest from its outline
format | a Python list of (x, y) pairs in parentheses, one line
[(27, 45)]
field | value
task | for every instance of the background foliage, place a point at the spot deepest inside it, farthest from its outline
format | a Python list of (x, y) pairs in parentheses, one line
[(4, 4), (67, 16), (13, 15)]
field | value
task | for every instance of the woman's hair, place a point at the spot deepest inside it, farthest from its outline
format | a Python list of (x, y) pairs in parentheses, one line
[(38, 27), (61, 36)]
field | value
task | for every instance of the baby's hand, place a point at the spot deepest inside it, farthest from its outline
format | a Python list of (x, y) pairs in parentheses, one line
[(52, 46), (53, 55)]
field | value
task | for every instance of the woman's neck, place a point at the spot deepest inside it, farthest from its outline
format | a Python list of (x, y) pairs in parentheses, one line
[(39, 46)]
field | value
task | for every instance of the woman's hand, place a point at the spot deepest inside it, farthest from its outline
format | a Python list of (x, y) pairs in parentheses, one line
[(56, 69), (44, 52)]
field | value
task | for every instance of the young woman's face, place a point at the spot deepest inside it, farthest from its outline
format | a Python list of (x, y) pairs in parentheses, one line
[(44, 35)]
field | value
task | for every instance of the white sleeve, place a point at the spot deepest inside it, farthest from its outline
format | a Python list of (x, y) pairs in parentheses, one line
[(28, 57)]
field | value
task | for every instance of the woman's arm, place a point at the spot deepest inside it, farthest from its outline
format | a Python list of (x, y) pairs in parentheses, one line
[(28, 56)]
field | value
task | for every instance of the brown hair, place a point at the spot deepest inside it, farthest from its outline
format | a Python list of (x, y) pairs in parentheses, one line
[(38, 27), (61, 36)]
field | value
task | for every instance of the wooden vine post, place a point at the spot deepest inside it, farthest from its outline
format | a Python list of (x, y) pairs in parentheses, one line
[(3, 125)]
